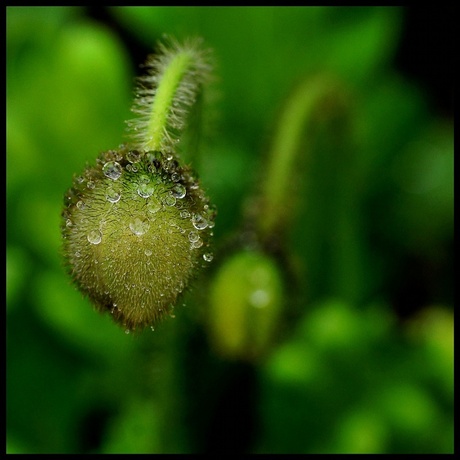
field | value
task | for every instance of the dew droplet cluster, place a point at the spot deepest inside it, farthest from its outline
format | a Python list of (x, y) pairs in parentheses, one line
[(136, 228)]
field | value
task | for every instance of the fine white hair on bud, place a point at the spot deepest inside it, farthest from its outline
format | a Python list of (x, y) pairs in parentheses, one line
[(174, 77), (137, 225)]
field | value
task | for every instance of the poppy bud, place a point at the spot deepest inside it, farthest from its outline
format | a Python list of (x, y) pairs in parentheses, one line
[(137, 225)]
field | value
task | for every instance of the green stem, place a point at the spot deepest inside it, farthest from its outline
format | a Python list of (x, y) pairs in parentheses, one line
[(296, 118), (164, 97), (177, 73)]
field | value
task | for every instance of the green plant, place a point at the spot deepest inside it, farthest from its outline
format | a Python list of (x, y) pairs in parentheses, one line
[(137, 225), (324, 322)]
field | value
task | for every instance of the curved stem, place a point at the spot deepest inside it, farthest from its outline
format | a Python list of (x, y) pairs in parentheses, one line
[(296, 118), (163, 100), (166, 94)]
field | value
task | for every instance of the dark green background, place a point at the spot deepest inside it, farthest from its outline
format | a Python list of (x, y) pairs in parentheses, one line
[(366, 362)]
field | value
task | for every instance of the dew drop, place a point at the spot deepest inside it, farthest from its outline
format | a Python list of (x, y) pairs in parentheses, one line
[(112, 195), (91, 184), (112, 170), (185, 214), (193, 237), (178, 191), (170, 166), (259, 298), (139, 226), (127, 331), (151, 156), (81, 205), (153, 206), (169, 200), (94, 236), (208, 257), (68, 223), (199, 222), (175, 177), (197, 244), (145, 189), (148, 252), (133, 156)]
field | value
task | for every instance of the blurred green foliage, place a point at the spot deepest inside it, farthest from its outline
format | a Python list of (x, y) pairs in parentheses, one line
[(345, 372)]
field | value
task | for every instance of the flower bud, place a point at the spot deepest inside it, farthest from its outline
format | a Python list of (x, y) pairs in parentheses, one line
[(136, 227), (245, 305)]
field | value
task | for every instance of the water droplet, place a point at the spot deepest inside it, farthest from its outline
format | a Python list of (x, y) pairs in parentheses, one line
[(112, 195), (80, 179), (259, 298), (68, 223), (185, 214), (127, 331), (77, 254), (153, 158), (199, 222), (152, 155), (94, 236), (197, 244), (145, 190), (139, 226), (91, 184), (178, 191), (134, 168), (153, 205), (133, 156), (144, 179), (169, 200), (193, 236), (208, 257), (148, 252), (175, 177), (170, 165), (112, 170)]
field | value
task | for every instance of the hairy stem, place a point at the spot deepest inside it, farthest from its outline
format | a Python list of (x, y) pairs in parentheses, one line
[(176, 74), (164, 97)]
